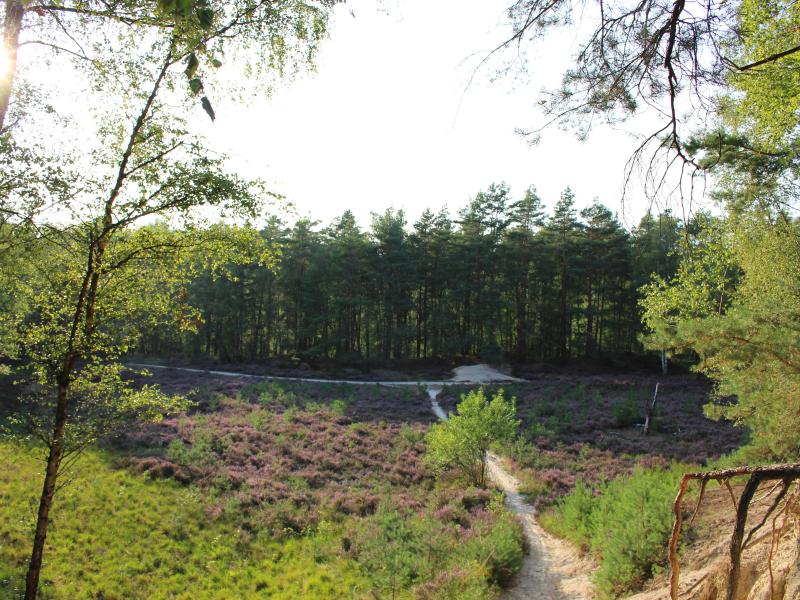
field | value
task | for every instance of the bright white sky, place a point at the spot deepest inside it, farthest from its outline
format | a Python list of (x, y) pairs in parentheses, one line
[(389, 120)]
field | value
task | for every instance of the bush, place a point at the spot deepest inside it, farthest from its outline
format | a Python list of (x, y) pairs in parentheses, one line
[(462, 441), (627, 525), (390, 553), (199, 453), (628, 411), (463, 582), (572, 517), (428, 552), (498, 545)]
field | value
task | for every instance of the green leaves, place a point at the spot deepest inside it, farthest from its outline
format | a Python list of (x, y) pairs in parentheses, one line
[(463, 440), (184, 7), (206, 104), (769, 95), (196, 85), (191, 65), (701, 288), (167, 6), (205, 17), (736, 304)]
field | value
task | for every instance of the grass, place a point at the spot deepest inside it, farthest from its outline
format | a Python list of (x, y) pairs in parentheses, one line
[(115, 534), (266, 491)]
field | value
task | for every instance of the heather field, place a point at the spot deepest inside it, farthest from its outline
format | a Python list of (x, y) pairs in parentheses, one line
[(589, 428), (282, 489), (596, 479), (274, 490)]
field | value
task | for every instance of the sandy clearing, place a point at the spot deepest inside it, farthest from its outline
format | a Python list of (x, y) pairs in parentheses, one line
[(480, 374)]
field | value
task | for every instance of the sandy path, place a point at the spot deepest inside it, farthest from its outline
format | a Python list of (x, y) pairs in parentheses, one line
[(553, 568), (480, 374)]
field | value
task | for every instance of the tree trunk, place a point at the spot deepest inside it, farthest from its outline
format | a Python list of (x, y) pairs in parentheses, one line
[(563, 347), (48, 491), (522, 321), (15, 12), (589, 350)]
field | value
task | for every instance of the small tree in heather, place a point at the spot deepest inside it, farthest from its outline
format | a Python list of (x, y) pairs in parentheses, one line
[(461, 442)]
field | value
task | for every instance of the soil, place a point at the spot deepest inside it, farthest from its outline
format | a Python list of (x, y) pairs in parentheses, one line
[(704, 555)]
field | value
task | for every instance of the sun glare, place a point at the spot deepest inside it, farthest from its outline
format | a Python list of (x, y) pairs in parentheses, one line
[(5, 64)]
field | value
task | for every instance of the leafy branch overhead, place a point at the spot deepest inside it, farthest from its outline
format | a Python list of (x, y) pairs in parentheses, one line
[(94, 279), (266, 39), (678, 60)]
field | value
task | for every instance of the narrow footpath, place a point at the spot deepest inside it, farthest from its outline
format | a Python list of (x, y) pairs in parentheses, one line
[(553, 569)]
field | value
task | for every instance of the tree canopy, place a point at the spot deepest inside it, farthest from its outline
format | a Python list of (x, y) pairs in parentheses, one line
[(95, 274), (502, 279)]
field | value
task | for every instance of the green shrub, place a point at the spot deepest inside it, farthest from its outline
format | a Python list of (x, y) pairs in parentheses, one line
[(572, 518), (200, 452), (628, 411), (498, 547), (259, 418), (338, 406), (462, 582), (626, 525), (392, 557), (271, 393), (462, 441), (410, 434), (430, 554)]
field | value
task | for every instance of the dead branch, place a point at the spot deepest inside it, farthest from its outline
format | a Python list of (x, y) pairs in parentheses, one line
[(651, 411), (703, 485), (730, 491), (674, 564), (771, 509), (785, 473)]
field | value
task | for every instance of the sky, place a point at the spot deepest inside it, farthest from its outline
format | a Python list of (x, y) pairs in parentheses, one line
[(404, 111), (399, 115)]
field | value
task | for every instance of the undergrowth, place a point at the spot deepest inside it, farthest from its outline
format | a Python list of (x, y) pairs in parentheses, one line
[(269, 497), (118, 535), (625, 523)]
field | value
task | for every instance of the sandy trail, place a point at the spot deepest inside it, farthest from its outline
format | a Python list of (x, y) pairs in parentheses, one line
[(553, 568)]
